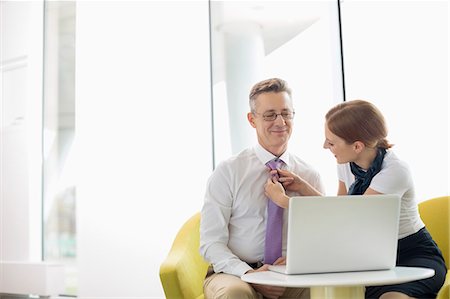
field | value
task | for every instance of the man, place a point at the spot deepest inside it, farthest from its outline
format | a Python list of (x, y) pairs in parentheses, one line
[(234, 215)]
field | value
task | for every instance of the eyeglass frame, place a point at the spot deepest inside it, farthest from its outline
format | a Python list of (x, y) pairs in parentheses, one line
[(275, 115)]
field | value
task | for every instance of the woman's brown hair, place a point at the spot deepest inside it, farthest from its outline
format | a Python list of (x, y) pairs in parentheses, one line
[(358, 120)]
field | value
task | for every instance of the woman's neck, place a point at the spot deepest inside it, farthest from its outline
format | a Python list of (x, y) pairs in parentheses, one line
[(366, 158)]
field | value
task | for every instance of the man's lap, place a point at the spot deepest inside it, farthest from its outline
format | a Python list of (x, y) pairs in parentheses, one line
[(221, 285)]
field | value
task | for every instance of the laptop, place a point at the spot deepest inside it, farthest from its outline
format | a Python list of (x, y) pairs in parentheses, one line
[(341, 234)]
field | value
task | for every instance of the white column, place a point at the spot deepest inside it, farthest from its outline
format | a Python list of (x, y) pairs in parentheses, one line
[(244, 54)]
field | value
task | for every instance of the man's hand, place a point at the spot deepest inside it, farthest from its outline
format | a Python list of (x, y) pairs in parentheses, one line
[(271, 292), (280, 261), (275, 191)]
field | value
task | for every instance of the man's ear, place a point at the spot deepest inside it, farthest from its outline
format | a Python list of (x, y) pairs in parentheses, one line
[(251, 119), (358, 146)]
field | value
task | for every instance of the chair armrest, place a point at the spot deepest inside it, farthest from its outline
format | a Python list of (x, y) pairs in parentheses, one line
[(183, 271), (444, 292)]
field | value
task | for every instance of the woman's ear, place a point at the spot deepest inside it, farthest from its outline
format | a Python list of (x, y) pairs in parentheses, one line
[(358, 146), (251, 119)]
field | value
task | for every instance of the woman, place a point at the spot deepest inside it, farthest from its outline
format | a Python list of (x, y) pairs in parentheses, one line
[(355, 132)]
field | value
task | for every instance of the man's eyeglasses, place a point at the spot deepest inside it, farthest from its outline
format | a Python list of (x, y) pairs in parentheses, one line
[(271, 116)]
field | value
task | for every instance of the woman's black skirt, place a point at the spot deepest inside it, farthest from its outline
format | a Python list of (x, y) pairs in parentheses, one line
[(416, 250)]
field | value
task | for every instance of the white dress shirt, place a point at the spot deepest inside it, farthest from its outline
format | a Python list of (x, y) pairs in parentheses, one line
[(233, 217)]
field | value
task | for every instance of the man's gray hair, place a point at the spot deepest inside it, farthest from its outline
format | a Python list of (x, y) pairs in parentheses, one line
[(269, 85)]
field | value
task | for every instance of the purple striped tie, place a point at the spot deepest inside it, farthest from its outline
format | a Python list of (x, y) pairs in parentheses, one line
[(274, 228)]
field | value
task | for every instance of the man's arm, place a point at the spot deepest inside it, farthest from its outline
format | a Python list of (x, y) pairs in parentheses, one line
[(214, 233)]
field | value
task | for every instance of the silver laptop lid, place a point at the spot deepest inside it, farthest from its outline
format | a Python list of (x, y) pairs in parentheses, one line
[(342, 233)]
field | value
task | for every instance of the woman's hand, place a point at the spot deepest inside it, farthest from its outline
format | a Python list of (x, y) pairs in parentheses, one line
[(290, 180), (295, 183)]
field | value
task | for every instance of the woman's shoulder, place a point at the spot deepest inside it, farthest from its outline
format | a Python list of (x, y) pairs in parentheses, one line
[(393, 162), (395, 169), (394, 177)]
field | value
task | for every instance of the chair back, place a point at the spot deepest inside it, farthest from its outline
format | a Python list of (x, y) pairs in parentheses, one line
[(183, 271), (435, 214)]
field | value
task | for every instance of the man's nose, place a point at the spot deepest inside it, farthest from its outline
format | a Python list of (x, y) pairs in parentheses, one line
[(278, 118)]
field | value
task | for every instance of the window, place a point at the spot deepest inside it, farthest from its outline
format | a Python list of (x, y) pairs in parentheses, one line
[(297, 41), (401, 65), (59, 189)]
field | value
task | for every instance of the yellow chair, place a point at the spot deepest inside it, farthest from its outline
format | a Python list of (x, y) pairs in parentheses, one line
[(183, 271), (435, 214)]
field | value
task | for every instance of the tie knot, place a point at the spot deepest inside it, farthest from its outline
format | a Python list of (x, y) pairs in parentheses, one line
[(275, 163)]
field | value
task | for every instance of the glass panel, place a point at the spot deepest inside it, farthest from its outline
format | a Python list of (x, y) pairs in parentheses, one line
[(401, 65), (59, 189), (297, 41)]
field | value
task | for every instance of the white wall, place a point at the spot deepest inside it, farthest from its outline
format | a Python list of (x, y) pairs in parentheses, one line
[(20, 139), (143, 138), (396, 55)]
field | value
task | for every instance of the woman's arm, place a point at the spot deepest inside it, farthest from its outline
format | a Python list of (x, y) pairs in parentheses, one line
[(293, 182), (371, 192), (342, 190)]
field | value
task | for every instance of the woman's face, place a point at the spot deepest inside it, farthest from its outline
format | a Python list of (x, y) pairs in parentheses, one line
[(342, 151)]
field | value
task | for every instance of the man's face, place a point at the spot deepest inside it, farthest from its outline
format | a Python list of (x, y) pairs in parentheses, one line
[(273, 135)]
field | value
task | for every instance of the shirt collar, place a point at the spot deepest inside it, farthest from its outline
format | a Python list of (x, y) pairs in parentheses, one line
[(265, 156)]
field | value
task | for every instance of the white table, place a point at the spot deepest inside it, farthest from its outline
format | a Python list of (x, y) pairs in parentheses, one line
[(339, 285)]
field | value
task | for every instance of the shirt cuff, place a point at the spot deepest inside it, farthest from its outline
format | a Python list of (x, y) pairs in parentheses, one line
[(241, 269)]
